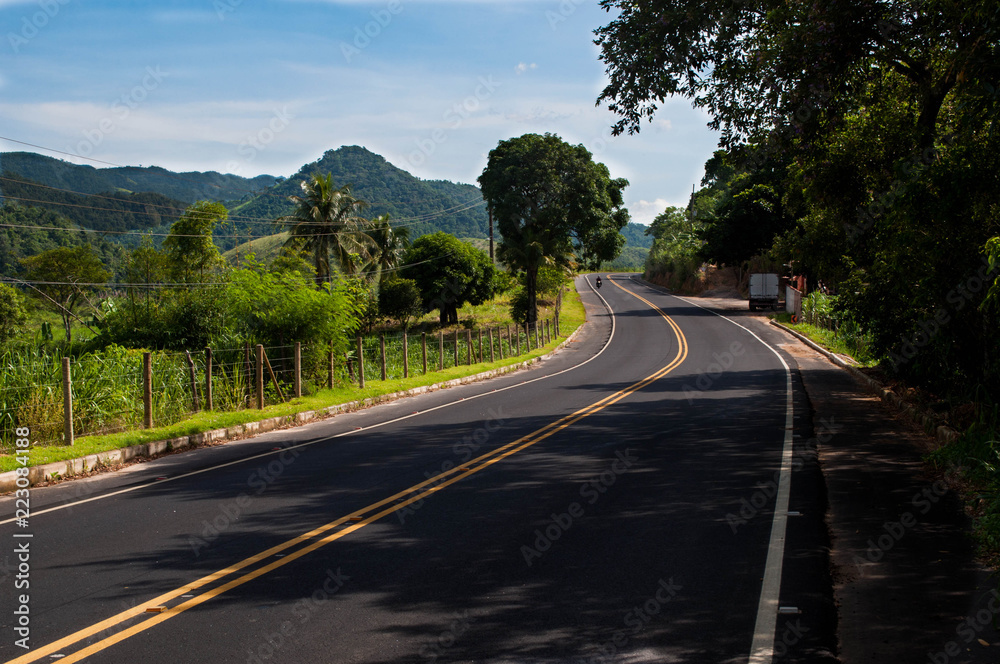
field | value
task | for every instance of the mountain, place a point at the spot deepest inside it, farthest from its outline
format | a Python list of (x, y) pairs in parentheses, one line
[(184, 187), (424, 206), (635, 236)]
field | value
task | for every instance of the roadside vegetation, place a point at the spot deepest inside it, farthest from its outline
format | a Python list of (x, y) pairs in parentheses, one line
[(343, 290), (860, 152)]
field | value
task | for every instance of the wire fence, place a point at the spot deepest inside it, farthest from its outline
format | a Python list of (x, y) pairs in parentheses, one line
[(118, 389)]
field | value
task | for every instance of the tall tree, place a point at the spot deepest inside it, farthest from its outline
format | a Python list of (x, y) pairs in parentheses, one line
[(449, 273), (66, 276), (550, 201), (327, 220), (760, 64), (189, 247)]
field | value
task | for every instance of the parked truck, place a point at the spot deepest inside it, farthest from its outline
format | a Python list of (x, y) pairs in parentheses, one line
[(763, 291)]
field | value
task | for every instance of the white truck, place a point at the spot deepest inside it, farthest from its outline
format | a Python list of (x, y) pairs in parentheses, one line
[(763, 291)]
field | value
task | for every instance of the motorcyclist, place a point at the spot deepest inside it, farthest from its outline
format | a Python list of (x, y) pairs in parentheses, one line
[(598, 282)]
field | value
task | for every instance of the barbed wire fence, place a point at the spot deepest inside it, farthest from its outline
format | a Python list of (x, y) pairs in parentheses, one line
[(118, 389)]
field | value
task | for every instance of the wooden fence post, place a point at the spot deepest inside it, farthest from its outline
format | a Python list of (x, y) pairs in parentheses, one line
[(456, 348), (492, 356), (260, 377), (195, 402), (209, 398), (423, 346), (406, 355), (247, 372), (147, 390), (517, 340), (361, 364), (468, 347), (441, 350), (298, 370), (274, 379), (537, 345), (67, 402), (480, 344), (385, 374), (500, 341)]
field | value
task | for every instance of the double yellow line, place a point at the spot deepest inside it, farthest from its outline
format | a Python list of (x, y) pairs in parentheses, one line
[(327, 533)]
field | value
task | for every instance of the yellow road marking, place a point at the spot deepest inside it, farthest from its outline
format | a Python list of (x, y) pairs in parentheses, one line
[(454, 475)]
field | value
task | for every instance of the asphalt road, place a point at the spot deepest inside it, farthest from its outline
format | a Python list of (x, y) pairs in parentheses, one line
[(614, 504)]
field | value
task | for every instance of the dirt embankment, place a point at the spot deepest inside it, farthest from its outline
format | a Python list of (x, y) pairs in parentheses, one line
[(708, 281)]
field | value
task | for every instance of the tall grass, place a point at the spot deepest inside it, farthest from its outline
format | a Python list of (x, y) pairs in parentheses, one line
[(821, 311)]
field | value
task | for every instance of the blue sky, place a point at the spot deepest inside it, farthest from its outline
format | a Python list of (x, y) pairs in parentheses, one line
[(251, 87)]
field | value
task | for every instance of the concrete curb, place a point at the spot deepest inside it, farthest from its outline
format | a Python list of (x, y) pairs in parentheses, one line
[(82, 465), (932, 425)]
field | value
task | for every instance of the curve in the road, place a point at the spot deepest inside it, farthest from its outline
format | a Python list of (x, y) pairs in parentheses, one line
[(308, 542)]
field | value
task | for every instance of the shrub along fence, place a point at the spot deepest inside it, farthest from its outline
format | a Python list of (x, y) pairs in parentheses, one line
[(119, 389)]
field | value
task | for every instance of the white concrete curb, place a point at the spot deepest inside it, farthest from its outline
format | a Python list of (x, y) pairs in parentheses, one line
[(931, 425), (82, 465)]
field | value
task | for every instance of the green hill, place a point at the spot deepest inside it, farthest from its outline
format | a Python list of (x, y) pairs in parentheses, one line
[(185, 187), (425, 206)]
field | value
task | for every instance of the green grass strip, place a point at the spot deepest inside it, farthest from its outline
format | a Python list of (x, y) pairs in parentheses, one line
[(573, 316)]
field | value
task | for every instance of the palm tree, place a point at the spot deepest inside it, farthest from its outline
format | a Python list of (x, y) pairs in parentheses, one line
[(389, 245), (326, 220)]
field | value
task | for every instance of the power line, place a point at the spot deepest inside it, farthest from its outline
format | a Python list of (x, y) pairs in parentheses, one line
[(106, 284), (404, 221)]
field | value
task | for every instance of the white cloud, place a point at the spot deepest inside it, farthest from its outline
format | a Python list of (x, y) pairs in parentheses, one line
[(643, 212), (523, 67)]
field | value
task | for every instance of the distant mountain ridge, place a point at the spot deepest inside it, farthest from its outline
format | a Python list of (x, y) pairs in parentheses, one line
[(149, 199), (425, 206), (185, 187)]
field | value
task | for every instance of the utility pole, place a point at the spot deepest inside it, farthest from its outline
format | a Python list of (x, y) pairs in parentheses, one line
[(490, 211)]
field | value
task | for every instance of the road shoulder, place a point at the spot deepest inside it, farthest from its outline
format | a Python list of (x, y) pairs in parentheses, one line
[(906, 581)]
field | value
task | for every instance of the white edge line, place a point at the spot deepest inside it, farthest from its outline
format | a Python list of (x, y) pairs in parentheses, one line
[(762, 648), (339, 435)]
